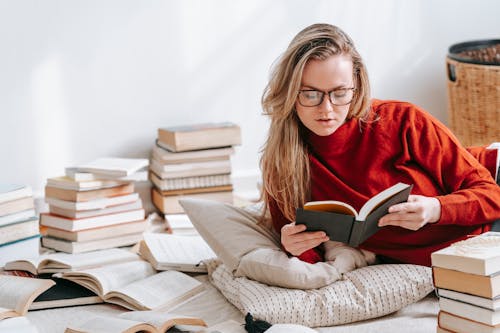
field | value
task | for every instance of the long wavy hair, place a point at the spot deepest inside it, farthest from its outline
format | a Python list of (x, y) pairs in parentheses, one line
[(284, 161)]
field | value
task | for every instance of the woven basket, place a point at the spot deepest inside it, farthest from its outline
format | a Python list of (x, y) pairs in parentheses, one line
[(474, 91)]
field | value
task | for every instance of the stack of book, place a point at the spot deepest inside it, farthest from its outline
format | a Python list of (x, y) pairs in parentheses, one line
[(192, 161), (94, 207), (467, 280), (19, 232)]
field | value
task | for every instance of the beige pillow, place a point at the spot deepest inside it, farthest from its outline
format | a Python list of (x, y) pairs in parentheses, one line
[(256, 276), (364, 293), (249, 250)]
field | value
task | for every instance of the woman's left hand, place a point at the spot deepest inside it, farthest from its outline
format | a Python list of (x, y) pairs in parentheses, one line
[(413, 214)]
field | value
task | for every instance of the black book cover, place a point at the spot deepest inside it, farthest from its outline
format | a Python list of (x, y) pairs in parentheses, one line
[(64, 293), (345, 228)]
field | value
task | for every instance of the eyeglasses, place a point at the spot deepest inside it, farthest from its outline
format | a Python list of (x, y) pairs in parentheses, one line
[(339, 97)]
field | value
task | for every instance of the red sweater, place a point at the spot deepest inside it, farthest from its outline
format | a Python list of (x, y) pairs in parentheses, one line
[(408, 145)]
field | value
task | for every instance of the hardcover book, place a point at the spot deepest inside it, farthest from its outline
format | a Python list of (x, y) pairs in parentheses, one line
[(167, 157), (199, 136), (17, 205), (90, 245), (343, 223), (70, 184), (99, 203), (484, 302), (206, 168), (475, 284), (169, 204), (457, 324), (190, 182), (69, 224), (62, 262), (74, 195), (136, 285), (9, 192), (64, 293), (135, 322), (79, 214), (115, 230), (19, 230), (113, 166), (182, 253), (469, 311), (17, 293), (476, 255)]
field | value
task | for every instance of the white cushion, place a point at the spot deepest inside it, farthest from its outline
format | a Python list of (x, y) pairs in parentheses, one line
[(364, 293), (256, 275), (249, 250)]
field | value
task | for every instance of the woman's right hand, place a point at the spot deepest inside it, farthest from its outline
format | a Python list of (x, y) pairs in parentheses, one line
[(296, 240)]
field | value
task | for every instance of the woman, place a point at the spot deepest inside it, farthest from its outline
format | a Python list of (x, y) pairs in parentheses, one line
[(329, 141)]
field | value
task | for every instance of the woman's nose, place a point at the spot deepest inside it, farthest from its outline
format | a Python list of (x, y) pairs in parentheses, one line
[(326, 105)]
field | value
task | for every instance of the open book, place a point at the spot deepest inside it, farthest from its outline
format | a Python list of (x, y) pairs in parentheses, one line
[(114, 166), (61, 262), (182, 253), (17, 293), (135, 285), (135, 321), (343, 223), (63, 294)]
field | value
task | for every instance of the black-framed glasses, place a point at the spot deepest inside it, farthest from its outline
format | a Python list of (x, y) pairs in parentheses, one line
[(339, 96)]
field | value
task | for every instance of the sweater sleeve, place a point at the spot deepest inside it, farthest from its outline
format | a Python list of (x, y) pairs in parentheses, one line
[(487, 157), (311, 256), (469, 194)]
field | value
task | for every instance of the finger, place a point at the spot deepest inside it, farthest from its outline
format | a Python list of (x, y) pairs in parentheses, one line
[(404, 207), (307, 239), (307, 245), (407, 221), (292, 228), (304, 241), (397, 218)]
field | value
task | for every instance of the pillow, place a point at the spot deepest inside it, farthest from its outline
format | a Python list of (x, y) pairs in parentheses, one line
[(364, 293), (249, 250), (256, 276)]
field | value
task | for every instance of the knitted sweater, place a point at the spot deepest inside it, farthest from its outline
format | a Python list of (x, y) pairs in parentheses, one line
[(405, 144)]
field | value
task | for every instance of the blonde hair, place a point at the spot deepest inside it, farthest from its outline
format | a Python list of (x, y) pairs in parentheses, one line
[(284, 161)]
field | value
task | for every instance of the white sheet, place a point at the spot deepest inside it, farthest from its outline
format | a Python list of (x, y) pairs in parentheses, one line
[(420, 317)]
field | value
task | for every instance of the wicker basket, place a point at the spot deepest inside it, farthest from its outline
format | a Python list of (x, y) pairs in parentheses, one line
[(474, 91)]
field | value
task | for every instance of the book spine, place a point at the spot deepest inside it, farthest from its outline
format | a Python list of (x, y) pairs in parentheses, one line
[(357, 232), (194, 182)]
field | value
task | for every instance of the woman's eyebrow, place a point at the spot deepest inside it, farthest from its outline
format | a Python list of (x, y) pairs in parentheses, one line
[(307, 86)]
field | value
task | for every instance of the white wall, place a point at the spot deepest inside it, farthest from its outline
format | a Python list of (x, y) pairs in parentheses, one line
[(86, 79)]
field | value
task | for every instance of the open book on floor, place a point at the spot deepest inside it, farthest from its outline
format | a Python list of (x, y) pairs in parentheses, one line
[(182, 253), (61, 262), (135, 321), (135, 285), (63, 294), (17, 293), (343, 223)]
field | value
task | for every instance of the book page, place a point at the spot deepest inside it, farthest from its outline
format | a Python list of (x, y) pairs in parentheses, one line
[(377, 200), (17, 293), (58, 262), (332, 207), (160, 291), (228, 326), (28, 264), (101, 324), (103, 279), (171, 250), (162, 320)]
